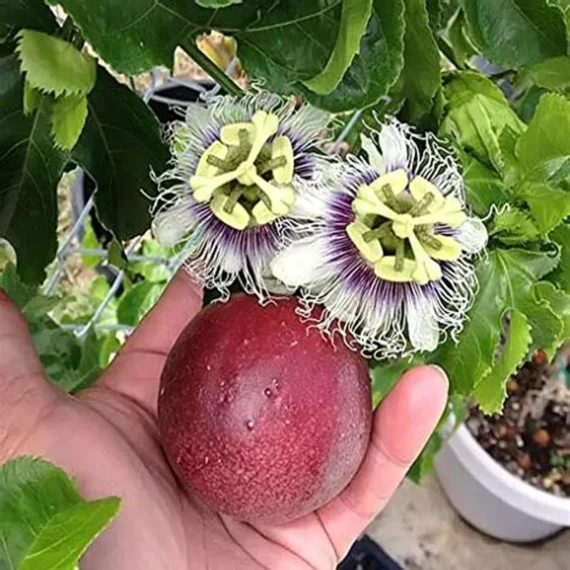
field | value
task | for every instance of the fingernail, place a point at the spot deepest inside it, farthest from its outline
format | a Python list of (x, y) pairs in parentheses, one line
[(442, 372)]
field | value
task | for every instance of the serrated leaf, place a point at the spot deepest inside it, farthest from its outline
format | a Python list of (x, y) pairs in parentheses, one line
[(19, 292), (30, 170), (384, 375), (136, 35), (119, 147), (68, 534), (544, 149), (553, 74), (28, 14), (506, 281), (490, 392), (376, 67), (136, 302), (217, 3), (483, 186), (44, 522), (559, 302), (68, 119), (55, 66), (353, 21), (477, 114), (32, 99), (549, 206), (561, 275), (421, 74), (510, 167), (513, 227), (515, 33)]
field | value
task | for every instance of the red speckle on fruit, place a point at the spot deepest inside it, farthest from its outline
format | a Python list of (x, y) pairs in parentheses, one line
[(288, 429)]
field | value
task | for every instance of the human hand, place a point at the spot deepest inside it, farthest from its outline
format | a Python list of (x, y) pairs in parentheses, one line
[(107, 438)]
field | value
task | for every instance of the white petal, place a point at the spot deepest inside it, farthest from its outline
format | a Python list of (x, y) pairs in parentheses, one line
[(374, 157), (473, 235), (170, 226), (394, 147), (309, 203), (230, 262), (422, 325), (299, 264)]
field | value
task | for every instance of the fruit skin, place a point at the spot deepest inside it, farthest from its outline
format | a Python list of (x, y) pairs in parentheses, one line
[(259, 414)]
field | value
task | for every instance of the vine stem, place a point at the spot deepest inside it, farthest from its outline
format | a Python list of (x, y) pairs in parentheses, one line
[(218, 75)]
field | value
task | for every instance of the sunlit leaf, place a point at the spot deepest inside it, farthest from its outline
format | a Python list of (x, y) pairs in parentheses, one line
[(44, 522), (55, 66), (68, 119), (490, 391), (353, 21)]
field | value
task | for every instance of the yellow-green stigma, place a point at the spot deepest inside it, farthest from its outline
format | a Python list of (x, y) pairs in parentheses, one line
[(393, 227), (245, 178)]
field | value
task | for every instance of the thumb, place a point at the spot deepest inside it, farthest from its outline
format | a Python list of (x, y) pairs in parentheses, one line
[(24, 390)]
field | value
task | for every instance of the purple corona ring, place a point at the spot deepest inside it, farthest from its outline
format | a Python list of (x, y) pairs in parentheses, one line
[(391, 258), (241, 186)]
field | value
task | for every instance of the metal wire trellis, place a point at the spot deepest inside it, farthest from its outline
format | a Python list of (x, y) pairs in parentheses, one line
[(71, 244)]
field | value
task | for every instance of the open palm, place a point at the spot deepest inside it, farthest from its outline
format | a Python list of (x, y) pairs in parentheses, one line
[(107, 438)]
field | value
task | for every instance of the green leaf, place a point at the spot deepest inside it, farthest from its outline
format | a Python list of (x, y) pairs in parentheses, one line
[(117, 256), (435, 13), (66, 537), (291, 43), (561, 275), (553, 74), (515, 33), (506, 281), (30, 170), (134, 304), (353, 21), (483, 186), (32, 99), (490, 391), (55, 66), (44, 523), (28, 14), (153, 270), (463, 49), (544, 149), (559, 302), (118, 148), (510, 167), (477, 114), (136, 35), (424, 463), (513, 227), (421, 73), (384, 375), (376, 67), (548, 205), (217, 3), (68, 119)]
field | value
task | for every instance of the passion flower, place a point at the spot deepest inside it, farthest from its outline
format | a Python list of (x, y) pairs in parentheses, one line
[(391, 260), (239, 173)]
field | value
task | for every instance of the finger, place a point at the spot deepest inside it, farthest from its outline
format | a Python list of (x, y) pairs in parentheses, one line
[(401, 427), (24, 390), (136, 370)]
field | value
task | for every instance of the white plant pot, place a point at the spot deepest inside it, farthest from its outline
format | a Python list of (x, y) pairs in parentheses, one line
[(492, 499)]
